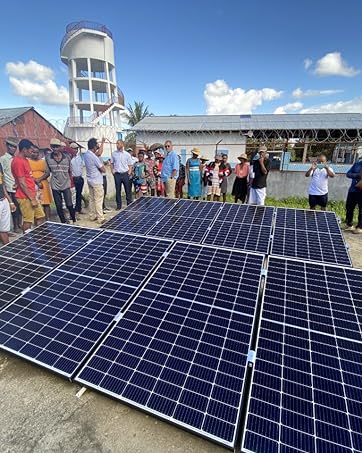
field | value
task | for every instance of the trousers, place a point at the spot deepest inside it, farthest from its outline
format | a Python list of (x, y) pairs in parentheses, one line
[(78, 184), (67, 195), (354, 199), (119, 179), (96, 196)]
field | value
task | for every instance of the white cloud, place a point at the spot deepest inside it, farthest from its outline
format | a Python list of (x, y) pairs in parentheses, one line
[(35, 82), (222, 99), (299, 93), (307, 63), (333, 64), (350, 106), (288, 108)]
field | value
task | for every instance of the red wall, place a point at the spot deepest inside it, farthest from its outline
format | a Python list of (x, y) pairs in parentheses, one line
[(32, 126)]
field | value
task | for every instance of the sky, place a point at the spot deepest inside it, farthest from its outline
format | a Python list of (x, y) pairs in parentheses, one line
[(194, 56)]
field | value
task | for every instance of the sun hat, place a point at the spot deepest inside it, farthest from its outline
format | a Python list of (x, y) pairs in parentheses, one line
[(204, 158), (63, 144), (11, 142), (74, 145), (263, 149), (243, 156), (196, 151), (55, 142)]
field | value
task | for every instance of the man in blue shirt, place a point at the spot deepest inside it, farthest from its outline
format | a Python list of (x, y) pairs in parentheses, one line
[(95, 170), (354, 196), (170, 170)]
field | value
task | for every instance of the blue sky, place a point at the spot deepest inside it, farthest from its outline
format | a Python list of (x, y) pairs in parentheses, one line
[(196, 57)]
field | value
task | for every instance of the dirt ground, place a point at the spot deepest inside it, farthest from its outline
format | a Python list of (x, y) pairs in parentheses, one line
[(40, 412)]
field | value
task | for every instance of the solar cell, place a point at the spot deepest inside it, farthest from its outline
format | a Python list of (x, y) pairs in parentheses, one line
[(256, 215), (132, 222), (307, 220), (180, 349), (195, 209), (305, 394), (181, 228), (49, 244), (310, 245), (239, 236), (152, 205), (16, 276), (313, 296)]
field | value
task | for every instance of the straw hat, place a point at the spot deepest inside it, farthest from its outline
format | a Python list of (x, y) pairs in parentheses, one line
[(63, 144), (196, 151), (55, 142), (204, 158), (74, 145), (243, 156), (9, 141)]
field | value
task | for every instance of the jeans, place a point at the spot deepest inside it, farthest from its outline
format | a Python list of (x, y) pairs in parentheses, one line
[(67, 195), (119, 179), (78, 184), (354, 199)]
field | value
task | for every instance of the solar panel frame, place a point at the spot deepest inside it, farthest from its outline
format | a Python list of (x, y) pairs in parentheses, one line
[(307, 220), (248, 214), (196, 209), (152, 205), (137, 222)]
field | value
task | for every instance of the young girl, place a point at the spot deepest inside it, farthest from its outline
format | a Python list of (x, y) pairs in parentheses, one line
[(140, 174), (160, 188)]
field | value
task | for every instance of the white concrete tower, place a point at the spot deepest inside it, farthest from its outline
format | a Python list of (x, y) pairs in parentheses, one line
[(95, 101)]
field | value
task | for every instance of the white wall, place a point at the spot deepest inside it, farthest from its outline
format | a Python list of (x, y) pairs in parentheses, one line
[(90, 45)]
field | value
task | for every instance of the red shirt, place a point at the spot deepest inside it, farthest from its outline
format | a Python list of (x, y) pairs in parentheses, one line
[(20, 168)]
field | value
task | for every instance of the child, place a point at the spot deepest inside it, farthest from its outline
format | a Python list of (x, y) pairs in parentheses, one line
[(140, 174)]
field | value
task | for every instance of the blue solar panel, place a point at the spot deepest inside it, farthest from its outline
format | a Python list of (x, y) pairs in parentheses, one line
[(239, 236), (312, 296), (180, 349), (256, 215), (152, 205), (49, 244), (307, 220), (181, 228), (306, 393), (195, 209), (139, 222), (16, 276), (310, 245)]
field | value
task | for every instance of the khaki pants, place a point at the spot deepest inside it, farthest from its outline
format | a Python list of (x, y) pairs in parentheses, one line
[(96, 194), (170, 186)]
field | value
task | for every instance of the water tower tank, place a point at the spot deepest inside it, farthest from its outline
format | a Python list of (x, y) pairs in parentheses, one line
[(95, 101)]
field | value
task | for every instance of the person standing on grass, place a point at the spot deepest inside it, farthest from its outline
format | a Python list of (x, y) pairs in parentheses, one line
[(39, 169), (240, 187), (58, 165), (170, 170), (5, 161), (215, 172), (354, 197), (203, 160), (319, 173), (95, 171), (261, 168), (25, 194), (180, 182), (228, 171), (193, 173), (6, 207), (76, 166), (122, 168)]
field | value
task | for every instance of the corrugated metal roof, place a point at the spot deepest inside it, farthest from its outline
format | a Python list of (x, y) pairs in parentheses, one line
[(308, 121), (7, 115)]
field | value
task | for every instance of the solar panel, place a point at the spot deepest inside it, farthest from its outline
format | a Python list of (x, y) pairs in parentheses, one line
[(306, 393), (16, 276), (239, 236), (132, 222), (49, 244), (307, 220), (152, 205), (181, 228), (313, 296), (310, 245), (180, 349), (195, 209), (256, 215)]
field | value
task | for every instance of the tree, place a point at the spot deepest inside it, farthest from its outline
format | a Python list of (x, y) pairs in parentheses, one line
[(137, 112)]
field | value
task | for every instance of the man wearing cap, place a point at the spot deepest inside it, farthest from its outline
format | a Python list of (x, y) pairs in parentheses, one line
[(58, 165), (76, 166), (122, 168), (25, 194), (240, 187), (9, 181), (170, 170), (261, 168)]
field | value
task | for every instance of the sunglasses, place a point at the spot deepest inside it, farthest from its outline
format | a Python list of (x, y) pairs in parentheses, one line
[(167, 146)]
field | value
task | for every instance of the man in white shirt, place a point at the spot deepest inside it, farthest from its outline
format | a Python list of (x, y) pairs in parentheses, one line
[(122, 167), (76, 166), (319, 173)]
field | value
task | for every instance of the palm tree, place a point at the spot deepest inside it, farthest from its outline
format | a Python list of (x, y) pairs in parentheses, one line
[(137, 112)]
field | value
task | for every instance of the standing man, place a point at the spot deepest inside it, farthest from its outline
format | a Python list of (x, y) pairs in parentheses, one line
[(354, 197), (122, 168), (6, 206), (170, 170), (150, 164), (25, 194), (59, 167), (95, 171), (9, 180), (228, 171), (318, 187), (76, 166), (261, 168)]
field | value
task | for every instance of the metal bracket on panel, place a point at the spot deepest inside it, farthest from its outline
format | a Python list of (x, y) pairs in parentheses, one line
[(347, 246), (263, 272), (165, 254), (81, 392), (24, 291), (119, 316), (89, 241), (27, 231), (251, 356), (339, 220)]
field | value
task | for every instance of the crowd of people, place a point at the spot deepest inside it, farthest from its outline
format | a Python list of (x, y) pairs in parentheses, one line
[(30, 181)]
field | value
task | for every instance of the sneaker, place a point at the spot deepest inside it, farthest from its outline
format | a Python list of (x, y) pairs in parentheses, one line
[(349, 228), (357, 230)]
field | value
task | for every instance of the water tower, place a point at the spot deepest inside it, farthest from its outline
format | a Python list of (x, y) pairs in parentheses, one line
[(96, 103)]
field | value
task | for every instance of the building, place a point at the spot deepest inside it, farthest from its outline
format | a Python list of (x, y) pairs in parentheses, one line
[(292, 139), (95, 101), (26, 122)]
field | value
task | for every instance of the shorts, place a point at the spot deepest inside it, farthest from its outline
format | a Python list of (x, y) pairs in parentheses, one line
[(28, 212), (318, 200), (4, 216)]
